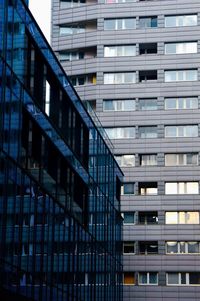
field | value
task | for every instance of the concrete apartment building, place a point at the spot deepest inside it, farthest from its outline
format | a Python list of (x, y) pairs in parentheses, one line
[(138, 63)]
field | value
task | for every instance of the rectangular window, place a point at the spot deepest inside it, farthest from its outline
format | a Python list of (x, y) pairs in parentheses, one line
[(181, 75), (120, 78), (129, 247), (120, 50), (69, 30), (147, 188), (127, 188), (129, 278), (148, 48), (119, 24), (190, 278), (148, 278), (148, 22), (119, 105), (147, 75), (181, 188), (120, 133), (179, 21), (181, 103), (148, 132), (148, 104), (125, 160), (180, 47), (182, 247), (148, 247), (129, 217), (181, 217), (181, 131), (148, 160), (181, 159), (148, 217)]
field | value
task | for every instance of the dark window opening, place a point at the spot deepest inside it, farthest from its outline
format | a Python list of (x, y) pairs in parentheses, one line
[(148, 217), (147, 48), (147, 75), (148, 247), (148, 188)]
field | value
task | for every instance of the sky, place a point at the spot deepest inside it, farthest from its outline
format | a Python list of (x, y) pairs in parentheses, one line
[(41, 10)]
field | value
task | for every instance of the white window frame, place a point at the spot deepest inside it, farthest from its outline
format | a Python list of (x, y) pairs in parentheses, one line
[(181, 18), (181, 215), (114, 51), (181, 159), (148, 278), (180, 75), (119, 105), (119, 78), (120, 23), (182, 47), (121, 159), (181, 186), (181, 131), (185, 247), (178, 101), (119, 133)]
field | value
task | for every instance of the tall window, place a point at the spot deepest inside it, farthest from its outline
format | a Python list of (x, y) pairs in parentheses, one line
[(120, 78), (181, 188), (181, 75), (183, 278), (181, 47), (148, 278), (173, 131), (181, 103), (178, 21), (119, 105), (181, 159), (182, 247), (181, 217), (125, 160), (120, 133), (120, 50), (148, 132), (119, 24)]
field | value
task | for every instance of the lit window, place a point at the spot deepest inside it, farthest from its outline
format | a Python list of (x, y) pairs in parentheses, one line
[(178, 21), (181, 159), (181, 103), (182, 217), (181, 47), (129, 278), (148, 188), (129, 247), (119, 105), (128, 188), (148, 278), (181, 188), (148, 132), (119, 78), (119, 24), (173, 131), (129, 217), (182, 247), (190, 278), (148, 104), (124, 50), (126, 160), (120, 133), (181, 75)]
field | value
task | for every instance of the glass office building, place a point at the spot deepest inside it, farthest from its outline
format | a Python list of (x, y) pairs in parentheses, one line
[(60, 222)]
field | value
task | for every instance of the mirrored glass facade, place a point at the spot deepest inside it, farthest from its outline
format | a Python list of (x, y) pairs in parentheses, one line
[(60, 222)]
